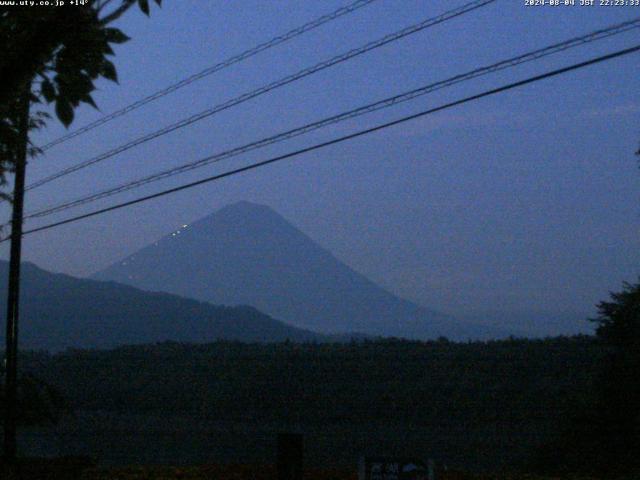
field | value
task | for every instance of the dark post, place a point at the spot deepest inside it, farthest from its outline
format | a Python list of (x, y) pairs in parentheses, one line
[(290, 451), (13, 297)]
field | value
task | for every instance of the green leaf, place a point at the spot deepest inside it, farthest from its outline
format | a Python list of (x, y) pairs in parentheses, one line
[(88, 99), (82, 83), (144, 6), (48, 91), (64, 111), (114, 35), (106, 48), (93, 64), (109, 71)]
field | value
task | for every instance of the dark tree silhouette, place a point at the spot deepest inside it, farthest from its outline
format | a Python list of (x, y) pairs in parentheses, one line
[(619, 386), (619, 320), (53, 55), (50, 55), (602, 436)]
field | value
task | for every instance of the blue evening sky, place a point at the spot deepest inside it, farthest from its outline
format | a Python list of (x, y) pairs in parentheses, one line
[(525, 201)]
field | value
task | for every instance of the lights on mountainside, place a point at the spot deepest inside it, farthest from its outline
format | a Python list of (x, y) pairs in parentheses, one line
[(177, 232)]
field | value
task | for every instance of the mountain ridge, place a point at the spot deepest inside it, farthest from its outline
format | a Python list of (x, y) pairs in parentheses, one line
[(246, 253), (59, 311)]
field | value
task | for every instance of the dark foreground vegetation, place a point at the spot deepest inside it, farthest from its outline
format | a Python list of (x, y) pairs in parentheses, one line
[(76, 469), (422, 383), (561, 406), (477, 406)]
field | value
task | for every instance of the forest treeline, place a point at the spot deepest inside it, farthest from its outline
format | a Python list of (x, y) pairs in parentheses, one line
[(527, 382)]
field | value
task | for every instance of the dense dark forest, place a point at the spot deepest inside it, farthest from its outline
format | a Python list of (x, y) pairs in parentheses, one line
[(504, 381), (480, 404)]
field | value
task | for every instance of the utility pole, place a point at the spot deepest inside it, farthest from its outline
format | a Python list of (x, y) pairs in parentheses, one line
[(13, 297)]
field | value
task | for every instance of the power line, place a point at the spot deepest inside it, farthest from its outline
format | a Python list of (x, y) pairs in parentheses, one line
[(307, 27), (372, 107), (449, 15), (334, 141)]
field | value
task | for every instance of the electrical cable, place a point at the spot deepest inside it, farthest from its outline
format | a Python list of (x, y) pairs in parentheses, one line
[(379, 105), (449, 15), (307, 27), (334, 141)]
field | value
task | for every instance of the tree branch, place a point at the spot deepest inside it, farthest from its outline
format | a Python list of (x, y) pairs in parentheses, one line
[(118, 12)]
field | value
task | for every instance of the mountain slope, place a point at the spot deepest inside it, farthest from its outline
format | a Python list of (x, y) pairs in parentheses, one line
[(59, 311), (248, 254)]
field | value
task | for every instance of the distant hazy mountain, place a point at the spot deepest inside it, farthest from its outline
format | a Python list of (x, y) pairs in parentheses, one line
[(59, 311), (248, 254)]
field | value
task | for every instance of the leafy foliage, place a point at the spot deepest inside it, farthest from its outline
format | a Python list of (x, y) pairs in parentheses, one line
[(604, 437), (54, 55), (619, 319), (619, 386), (66, 49)]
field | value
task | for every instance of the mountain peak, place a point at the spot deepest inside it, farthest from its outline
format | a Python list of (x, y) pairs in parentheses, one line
[(241, 213), (244, 207), (246, 253)]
